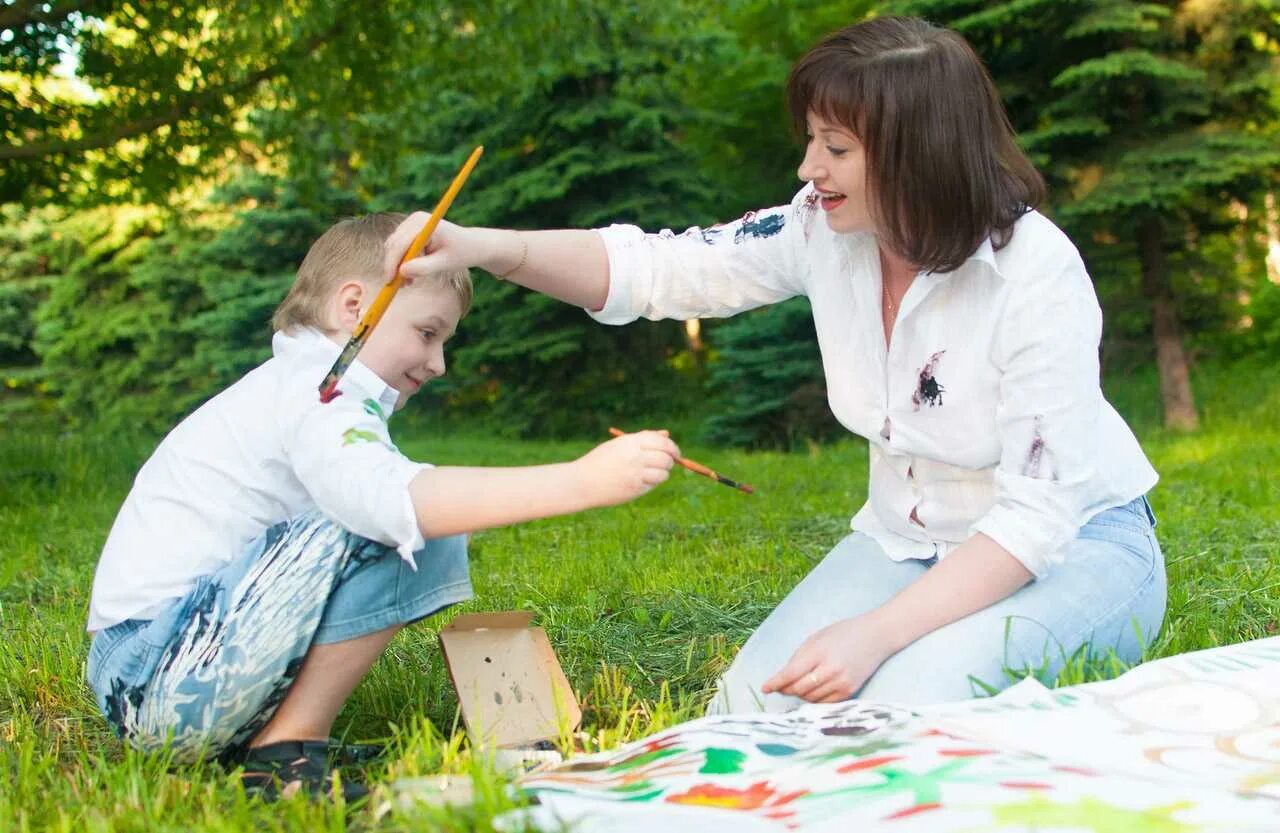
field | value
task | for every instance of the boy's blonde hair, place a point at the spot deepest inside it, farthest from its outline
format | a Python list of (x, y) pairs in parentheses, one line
[(350, 249)]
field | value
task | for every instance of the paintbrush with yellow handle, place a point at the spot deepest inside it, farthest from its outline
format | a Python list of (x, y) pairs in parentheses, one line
[(329, 387)]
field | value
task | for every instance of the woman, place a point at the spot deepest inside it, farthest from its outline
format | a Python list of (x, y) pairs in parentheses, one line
[(1006, 525)]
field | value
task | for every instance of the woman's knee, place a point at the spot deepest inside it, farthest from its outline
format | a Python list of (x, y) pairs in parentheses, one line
[(921, 678)]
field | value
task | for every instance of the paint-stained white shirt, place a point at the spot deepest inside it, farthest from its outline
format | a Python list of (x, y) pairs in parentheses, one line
[(986, 412), (263, 451)]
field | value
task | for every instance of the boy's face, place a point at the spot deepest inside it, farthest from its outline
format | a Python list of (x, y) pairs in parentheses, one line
[(406, 349)]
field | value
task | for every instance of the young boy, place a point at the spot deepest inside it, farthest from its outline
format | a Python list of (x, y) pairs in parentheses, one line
[(272, 545)]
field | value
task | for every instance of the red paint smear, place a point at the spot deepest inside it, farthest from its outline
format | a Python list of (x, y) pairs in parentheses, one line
[(1026, 785), (660, 743), (869, 763), (964, 753), (330, 393), (1076, 770), (911, 811), (938, 733)]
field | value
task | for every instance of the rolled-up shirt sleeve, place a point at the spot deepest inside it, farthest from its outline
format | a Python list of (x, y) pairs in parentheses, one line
[(1048, 415), (343, 455), (708, 272)]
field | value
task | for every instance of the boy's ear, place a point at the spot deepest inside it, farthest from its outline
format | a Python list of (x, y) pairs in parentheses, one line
[(347, 304)]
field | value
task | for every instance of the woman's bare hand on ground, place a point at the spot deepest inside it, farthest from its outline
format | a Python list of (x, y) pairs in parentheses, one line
[(833, 663)]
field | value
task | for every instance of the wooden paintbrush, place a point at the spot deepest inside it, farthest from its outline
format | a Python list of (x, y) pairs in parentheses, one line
[(329, 387), (705, 471)]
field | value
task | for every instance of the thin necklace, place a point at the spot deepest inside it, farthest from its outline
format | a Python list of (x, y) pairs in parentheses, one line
[(888, 299)]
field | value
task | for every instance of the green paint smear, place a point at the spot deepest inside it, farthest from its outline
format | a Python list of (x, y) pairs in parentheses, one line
[(355, 435), (1091, 814), (723, 761), (373, 408), (644, 758), (638, 786)]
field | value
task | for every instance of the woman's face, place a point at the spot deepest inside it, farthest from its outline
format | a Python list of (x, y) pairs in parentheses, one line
[(835, 162)]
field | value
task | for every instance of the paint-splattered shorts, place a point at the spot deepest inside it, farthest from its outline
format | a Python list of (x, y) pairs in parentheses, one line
[(209, 671)]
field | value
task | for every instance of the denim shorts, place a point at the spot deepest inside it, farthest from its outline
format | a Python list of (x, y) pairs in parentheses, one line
[(1107, 598), (207, 673)]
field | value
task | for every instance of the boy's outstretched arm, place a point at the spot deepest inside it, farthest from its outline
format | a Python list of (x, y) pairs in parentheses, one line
[(450, 500)]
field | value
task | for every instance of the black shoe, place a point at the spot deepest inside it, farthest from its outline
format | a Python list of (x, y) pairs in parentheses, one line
[(281, 769), (354, 754)]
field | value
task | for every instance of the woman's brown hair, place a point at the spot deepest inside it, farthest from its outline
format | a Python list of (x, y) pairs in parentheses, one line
[(943, 168)]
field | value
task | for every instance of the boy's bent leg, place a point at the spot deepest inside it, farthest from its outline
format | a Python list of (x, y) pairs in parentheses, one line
[(328, 676), (373, 594), (226, 654), (377, 594), (855, 577), (1109, 594)]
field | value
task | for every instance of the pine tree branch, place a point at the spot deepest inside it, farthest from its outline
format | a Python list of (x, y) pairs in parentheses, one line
[(186, 107)]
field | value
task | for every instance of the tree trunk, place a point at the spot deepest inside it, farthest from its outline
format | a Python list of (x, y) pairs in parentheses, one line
[(1171, 358)]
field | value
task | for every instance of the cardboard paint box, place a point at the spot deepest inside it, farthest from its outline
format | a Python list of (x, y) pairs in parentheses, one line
[(511, 688)]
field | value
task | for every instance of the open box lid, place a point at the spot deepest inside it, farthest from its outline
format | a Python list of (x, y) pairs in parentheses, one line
[(511, 688)]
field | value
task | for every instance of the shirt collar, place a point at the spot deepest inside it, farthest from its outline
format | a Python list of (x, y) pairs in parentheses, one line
[(308, 343), (986, 253)]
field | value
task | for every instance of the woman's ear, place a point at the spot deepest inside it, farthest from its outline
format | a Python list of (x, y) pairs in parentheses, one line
[(346, 305)]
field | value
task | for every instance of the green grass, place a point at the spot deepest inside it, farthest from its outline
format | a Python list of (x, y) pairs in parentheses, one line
[(645, 603)]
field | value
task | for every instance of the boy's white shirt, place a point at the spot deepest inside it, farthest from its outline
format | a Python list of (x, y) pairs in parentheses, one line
[(260, 452), (1018, 444)]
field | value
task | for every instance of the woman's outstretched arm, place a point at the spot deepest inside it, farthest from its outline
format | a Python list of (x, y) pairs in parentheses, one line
[(620, 273), (567, 264)]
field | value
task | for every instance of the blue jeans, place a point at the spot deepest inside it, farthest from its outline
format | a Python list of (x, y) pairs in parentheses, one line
[(208, 672), (1109, 593)]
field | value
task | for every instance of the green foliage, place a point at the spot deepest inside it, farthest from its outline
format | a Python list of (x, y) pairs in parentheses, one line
[(150, 317), (162, 90), (1261, 336), (107, 327), (244, 270), (591, 146), (743, 137), (663, 115), (29, 257), (770, 387)]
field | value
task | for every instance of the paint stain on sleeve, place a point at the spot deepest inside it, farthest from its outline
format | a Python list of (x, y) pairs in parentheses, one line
[(1038, 454), (928, 389), (808, 212), (753, 227)]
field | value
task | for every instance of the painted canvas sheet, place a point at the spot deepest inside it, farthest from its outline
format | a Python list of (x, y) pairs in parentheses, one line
[(1127, 755), (1211, 718)]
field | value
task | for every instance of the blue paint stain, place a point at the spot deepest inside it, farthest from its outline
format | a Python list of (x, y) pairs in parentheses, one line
[(763, 227)]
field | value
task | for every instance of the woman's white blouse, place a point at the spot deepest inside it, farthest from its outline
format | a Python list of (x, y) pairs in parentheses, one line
[(984, 415)]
